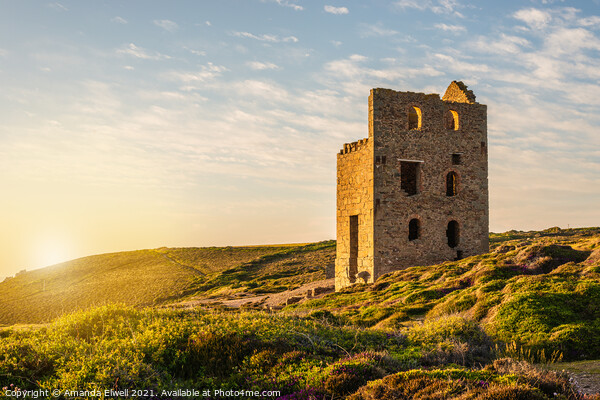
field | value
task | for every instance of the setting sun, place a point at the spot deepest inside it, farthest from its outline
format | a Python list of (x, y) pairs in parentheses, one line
[(52, 249)]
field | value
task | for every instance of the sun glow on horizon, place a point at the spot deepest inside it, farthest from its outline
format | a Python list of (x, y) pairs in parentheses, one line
[(52, 249)]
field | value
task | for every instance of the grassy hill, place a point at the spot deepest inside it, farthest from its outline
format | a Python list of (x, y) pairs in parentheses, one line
[(458, 330), (537, 290), (152, 277)]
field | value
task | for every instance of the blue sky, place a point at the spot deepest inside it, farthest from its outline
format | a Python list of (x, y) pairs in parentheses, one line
[(140, 124)]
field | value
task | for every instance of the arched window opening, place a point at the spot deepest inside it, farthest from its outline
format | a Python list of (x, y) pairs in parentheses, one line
[(414, 118), (414, 229), (453, 234), (451, 184), (452, 120)]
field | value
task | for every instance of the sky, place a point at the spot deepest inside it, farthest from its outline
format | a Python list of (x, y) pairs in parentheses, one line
[(139, 124)]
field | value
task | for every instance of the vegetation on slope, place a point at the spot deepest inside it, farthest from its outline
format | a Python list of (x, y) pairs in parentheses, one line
[(435, 332), (538, 291), (153, 277), (121, 348)]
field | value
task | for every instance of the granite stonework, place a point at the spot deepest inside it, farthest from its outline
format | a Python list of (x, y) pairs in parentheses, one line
[(415, 192)]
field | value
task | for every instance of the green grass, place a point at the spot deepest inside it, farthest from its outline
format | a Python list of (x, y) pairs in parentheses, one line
[(540, 290), (154, 277), (429, 332)]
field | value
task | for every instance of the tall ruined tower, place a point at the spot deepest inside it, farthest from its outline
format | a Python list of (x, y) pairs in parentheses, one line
[(415, 192)]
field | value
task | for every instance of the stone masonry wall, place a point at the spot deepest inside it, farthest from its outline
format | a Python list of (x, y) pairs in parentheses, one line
[(354, 198), (401, 173), (432, 146)]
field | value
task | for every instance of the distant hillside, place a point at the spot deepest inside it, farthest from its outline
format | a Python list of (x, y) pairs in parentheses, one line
[(150, 277)]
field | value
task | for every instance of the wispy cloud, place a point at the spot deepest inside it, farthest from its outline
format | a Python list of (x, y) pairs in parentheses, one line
[(3, 53), (505, 44), (132, 50), (166, 24), (451, 28), (336, 10), (377, 29), (190, 79), (438, 6), (119, 20), (266, 38), (592, 22), (285, 3), (259, 66), (58, 6)]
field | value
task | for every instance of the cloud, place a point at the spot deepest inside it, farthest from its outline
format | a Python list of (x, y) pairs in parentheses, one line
[(505, 44), (438, 7), (166, 24), (370, 30), (138, 52), (3, 53), (198, 52), (58, 6), (190, 79), (266, 38), (451, 28), (336, 10), (593, 21), (285, 3), (533, 17), (119, 20), (354, 75), (259, 66), (129, 67), (207, 23)]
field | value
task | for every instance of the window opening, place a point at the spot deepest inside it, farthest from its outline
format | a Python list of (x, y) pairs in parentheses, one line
[(409, 174), (459, 255), (452, 120), (414, 229), (414, 118), (451, 184), (456, 159), (452, 233)]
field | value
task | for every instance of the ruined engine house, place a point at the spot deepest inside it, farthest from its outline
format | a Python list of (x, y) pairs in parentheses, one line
[(415, 192)]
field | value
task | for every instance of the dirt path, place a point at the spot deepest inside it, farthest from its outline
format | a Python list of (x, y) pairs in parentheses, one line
[(586, 374), (268, 300)]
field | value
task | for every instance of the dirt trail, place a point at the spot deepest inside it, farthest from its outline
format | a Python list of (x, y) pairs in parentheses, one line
[(586, 374), (266, 300)]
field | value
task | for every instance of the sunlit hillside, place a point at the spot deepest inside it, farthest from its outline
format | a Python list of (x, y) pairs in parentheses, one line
[(466, 329), (152, 277)]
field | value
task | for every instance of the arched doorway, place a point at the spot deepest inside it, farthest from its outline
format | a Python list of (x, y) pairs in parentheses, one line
[(453, 234)]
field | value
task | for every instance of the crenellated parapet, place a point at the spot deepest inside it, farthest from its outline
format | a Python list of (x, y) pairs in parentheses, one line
[(354, 146)]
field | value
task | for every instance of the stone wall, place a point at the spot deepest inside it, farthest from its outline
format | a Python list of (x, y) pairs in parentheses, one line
[(354, 200), (401, 174)]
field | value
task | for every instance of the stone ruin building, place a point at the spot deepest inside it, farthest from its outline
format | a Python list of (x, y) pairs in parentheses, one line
[(415, 192)]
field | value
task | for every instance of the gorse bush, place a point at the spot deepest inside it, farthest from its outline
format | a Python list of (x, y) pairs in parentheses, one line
[(116, 347)]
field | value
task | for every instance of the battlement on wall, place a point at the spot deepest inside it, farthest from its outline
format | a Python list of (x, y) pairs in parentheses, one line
[(354, 146)]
